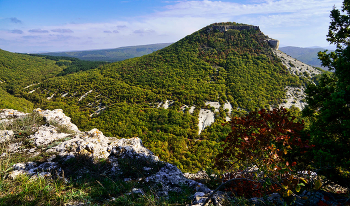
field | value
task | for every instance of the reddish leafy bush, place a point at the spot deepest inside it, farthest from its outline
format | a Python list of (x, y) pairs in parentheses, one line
[(257, 147)]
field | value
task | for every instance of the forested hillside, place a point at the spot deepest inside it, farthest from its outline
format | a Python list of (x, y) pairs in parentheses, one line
[(111, 55), (9, 101), (22, 72), (122, 99)]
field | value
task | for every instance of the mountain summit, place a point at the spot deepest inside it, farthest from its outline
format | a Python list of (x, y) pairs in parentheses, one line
[(223, 61), (176, 99)]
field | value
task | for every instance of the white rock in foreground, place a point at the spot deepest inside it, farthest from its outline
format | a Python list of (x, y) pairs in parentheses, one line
[(46, 134), (129, 147), (11, 113), (57, 116), (172, 178), (95, 145), (6, 135)]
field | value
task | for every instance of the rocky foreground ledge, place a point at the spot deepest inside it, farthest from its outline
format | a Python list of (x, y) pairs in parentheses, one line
[(61, 140), (56, 138)]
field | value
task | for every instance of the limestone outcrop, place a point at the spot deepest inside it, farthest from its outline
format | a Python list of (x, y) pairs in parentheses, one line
[(57, 116), (8, 114), (274, 43), (46, 134), (121, 156), (207, 117), (61, 147)]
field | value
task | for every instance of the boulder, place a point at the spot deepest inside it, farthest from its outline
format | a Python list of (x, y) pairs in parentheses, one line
[(46, 134), (274, 43), (59, 117), (171, 179), (92, 143), (11, 113), (130, 147)]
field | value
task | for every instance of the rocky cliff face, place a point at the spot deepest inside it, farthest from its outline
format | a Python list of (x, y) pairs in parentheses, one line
[(274, 43)]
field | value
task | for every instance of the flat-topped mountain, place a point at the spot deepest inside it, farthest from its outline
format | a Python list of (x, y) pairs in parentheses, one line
[(176, 98)]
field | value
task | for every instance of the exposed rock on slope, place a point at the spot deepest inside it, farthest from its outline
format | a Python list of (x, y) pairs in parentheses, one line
[(206, 116), (295, 66), (295, 95)]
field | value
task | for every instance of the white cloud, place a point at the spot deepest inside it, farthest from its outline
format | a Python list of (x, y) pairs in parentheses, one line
[(62, 30), (38, 31)]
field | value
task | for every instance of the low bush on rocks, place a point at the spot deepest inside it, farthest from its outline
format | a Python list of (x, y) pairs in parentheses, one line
[(62, 128), (24, 126)]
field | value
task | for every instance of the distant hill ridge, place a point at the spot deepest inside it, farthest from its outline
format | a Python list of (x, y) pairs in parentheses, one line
[(111, 55), (306, 55)]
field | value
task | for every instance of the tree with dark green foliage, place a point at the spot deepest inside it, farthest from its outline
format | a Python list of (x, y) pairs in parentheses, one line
[(71, 64), (329, 103)]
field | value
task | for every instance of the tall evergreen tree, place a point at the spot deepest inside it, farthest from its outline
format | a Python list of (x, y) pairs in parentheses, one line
[(329, 103)]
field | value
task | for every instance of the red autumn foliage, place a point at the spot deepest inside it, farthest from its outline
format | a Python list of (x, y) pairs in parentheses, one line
[(261, 139)]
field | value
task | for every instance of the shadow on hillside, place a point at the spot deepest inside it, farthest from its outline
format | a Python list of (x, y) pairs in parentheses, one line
[(83, 166)]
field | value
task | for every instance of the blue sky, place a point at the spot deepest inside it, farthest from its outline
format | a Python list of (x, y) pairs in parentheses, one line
[(66, 25)]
